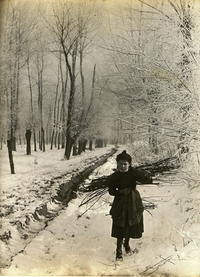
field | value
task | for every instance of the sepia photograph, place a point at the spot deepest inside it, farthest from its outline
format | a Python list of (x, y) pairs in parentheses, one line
[(100, 138)]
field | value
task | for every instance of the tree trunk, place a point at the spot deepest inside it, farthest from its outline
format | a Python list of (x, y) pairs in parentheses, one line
[(28, 142), (35, 144), (105, 142), (64, 82), (58, 140), (1, 147), (20, 138), (84, 144), (80, 147), (99, 143), (40, 146), (43, 140), (52, 137), (14, 143), (55, 139), (74, 150), (68, 146), (10, 155), (47, 135), (63, 140), (90, 145), (72, 74)]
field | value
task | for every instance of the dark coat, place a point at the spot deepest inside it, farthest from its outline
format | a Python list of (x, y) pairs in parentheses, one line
[(127, 209)]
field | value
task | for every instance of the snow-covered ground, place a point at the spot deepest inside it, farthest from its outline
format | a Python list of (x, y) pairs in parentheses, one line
[(73, 245), (36, 181)]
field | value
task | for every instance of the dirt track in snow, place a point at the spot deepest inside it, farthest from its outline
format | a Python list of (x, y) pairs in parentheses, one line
[(170, 245)]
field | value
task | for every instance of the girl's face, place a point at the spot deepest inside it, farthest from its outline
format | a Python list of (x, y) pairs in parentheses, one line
[(123, 165)]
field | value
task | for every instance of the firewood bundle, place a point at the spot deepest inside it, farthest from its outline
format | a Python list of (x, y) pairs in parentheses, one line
[(97, 187)]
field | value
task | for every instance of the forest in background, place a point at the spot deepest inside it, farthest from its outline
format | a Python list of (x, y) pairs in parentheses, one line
[(87, 73)]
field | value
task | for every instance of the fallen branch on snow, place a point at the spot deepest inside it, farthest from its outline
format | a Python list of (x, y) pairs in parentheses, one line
[(156, 266)]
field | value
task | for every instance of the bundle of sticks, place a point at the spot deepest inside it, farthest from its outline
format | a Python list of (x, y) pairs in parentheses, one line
[(97, 187)]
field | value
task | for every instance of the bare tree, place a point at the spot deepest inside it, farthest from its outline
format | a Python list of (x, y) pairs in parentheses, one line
[(71, 27), (59, 106), (29, 53), (40, 70)]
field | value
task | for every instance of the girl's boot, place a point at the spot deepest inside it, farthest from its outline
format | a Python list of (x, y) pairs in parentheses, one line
[(127, 246), (119, 250)]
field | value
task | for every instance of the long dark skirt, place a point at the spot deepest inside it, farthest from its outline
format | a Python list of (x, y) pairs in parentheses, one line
[(134, 232)]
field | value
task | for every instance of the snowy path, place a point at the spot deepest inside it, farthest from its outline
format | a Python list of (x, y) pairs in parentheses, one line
[(30, 200), (170, 245)]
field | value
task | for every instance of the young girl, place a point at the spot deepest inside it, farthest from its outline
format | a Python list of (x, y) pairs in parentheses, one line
[(127, 209)]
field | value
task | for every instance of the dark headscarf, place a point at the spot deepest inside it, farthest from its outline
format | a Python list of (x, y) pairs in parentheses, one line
[(124, 156)]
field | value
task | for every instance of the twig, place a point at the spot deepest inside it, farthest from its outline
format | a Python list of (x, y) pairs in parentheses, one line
[(87, 209), (149, 212), (182, 233), (105, 263), (98, 207), (144, 200), (92, 195), (165, 259), (153, 184), (156, 9), (155, 266), (88, 201)]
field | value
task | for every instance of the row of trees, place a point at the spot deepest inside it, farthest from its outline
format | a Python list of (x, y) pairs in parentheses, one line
[(47, 88), (75, 71)]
